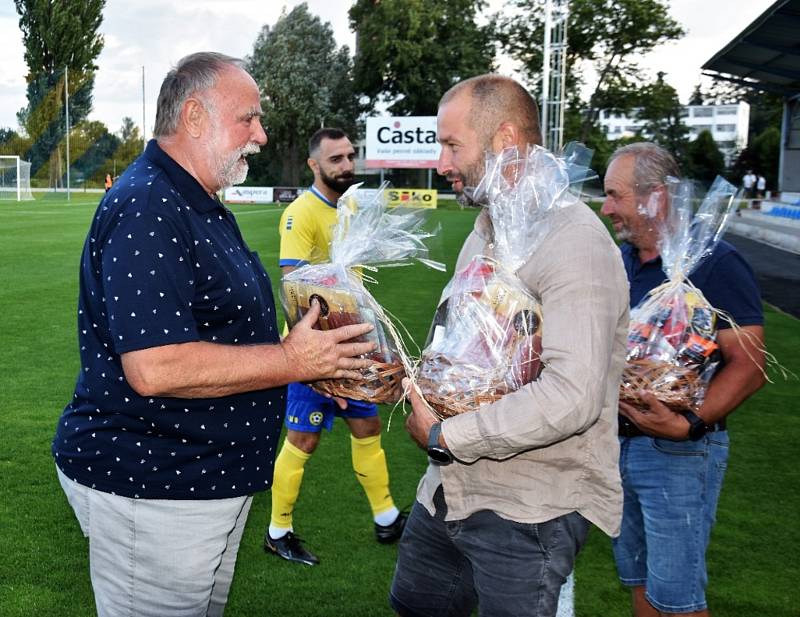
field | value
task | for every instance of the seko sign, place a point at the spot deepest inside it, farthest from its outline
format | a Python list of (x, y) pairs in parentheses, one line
[(412, 198), (401, 142)]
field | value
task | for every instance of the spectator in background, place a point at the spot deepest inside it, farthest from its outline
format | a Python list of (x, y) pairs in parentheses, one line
[(761, 189), (108, 182), (749, 184)]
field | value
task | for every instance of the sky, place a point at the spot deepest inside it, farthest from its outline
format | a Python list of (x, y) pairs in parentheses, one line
[(155, 34)]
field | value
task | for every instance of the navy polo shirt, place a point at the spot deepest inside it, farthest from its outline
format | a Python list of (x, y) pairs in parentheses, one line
[(724, 277), (165, 263)]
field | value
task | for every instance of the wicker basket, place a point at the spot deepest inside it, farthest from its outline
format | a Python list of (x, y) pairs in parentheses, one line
[(678, 387), (483, 388), (457, 403), (344, 301), (498, 349), (381, 384)]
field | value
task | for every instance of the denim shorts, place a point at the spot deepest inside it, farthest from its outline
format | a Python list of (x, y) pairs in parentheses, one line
[(309, 412), (671, 492), (506, 569)]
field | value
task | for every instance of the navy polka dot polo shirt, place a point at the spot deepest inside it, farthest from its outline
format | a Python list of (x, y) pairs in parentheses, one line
[(164, 263)]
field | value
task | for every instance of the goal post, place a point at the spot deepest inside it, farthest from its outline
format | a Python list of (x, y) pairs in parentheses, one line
[(15, 178)]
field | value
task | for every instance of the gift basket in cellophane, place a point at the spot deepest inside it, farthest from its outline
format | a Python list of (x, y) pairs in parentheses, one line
[(486, 337), (367, 234), (672, 348)]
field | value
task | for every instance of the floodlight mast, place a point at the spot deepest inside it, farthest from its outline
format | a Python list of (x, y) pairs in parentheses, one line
[(66, 116), (554, 73), (144, 136)]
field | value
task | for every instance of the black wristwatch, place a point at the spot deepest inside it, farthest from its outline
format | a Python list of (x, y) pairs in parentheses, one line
[(697, 428), (436, 453)]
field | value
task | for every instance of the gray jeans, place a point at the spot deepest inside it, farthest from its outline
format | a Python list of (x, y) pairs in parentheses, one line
[(158, 557), (505, 568)]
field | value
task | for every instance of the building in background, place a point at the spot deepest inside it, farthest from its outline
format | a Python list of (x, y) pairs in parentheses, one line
[(361, 168), (728, 125)]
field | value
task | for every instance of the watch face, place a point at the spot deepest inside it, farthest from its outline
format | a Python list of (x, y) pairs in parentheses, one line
[(697, 430), (440, 456), (436, 453)]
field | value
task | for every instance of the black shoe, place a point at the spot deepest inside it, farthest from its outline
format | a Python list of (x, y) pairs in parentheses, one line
[(290, 547), (386, 534)]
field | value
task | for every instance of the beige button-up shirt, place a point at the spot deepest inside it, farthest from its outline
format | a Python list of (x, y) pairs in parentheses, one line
[(551, 447)]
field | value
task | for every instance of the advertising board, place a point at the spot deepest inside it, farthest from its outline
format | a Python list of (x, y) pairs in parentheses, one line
[(401, 142)]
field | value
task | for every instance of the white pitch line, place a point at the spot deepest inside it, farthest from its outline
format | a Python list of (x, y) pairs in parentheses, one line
[(48, 212), (243, 212), (66, 210), (566, 600)]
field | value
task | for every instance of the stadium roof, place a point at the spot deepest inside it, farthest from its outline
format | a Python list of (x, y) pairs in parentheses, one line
[(766, 52)]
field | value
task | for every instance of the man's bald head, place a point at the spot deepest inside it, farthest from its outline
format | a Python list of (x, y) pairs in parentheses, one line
[(495, 99)]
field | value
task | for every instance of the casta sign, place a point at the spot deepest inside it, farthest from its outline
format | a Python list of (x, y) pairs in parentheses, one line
[(407, 141), (417, 135)]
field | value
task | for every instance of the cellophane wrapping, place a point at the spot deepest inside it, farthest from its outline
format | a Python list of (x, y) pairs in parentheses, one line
[(485, 340), (672, 348), (367, 233)]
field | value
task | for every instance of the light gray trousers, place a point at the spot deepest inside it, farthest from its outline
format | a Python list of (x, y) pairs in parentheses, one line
[(158, 557)]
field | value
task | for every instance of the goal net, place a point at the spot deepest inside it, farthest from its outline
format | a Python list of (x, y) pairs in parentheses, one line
[(15, 178)]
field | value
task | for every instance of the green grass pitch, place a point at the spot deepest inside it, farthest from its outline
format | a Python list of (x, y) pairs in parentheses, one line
[(44, 565)]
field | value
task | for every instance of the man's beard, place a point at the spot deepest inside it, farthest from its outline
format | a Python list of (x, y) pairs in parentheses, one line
[(338, 184), (624, 234), (636, 232), (469, 179), (232, 169)]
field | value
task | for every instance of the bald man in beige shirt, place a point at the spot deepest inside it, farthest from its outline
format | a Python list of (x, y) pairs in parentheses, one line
[(500, 525)]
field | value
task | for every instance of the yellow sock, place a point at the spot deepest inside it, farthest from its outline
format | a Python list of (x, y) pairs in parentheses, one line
[(369, 463), (286, 484)]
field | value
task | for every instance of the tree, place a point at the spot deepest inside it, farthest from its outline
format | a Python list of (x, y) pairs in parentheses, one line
[(410, 52), (91, 148), (704, 159), (130, 145), (746, 160), (762, 156), (57, 35), (719, 92), (12, 143), (662, 112), (306, 84), (7, 135), (767, 149), (602, 147), (697, 97), (610, 34)]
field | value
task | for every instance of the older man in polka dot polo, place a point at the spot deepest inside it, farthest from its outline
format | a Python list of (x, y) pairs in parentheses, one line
[(178, 406)]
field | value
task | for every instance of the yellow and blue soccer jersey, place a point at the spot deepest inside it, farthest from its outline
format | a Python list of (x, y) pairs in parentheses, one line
[(306, 228)]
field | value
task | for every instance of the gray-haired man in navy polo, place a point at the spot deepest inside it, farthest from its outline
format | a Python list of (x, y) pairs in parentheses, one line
[(178, 406), (672, 465)]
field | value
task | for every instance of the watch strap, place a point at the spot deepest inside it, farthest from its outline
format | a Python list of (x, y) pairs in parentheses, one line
[(433, 434), (437, 453), (697, 426)]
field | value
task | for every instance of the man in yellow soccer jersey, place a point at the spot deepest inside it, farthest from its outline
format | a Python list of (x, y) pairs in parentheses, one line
[(306, 228)]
